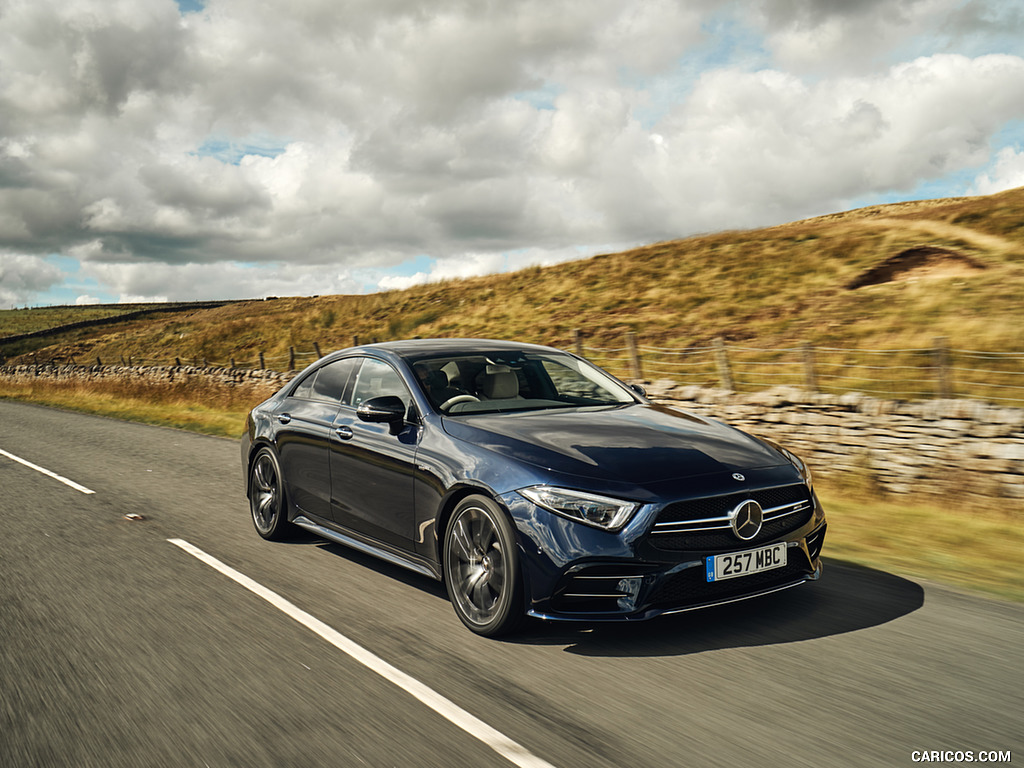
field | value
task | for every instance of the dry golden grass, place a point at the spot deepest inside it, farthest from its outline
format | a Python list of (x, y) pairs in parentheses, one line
[(196, 406), (955, 541)]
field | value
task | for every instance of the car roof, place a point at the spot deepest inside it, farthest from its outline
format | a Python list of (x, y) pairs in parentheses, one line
[(413, 348)]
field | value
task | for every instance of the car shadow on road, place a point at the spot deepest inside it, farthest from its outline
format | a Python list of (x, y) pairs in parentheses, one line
[(848, 597)]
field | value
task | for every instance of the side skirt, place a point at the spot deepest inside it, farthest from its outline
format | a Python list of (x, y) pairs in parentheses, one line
[(387, 555)]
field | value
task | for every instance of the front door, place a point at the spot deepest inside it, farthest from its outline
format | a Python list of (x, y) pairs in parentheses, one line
[(372, 465)]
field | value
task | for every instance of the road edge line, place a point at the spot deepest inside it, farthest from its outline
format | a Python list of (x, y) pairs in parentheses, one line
[(475, 727), (48, 473)]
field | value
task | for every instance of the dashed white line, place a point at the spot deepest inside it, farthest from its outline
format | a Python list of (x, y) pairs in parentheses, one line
[(499, 742), (45, 471)]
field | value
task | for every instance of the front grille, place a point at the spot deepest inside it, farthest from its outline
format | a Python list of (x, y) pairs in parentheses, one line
[(690, 587), (702, 525)]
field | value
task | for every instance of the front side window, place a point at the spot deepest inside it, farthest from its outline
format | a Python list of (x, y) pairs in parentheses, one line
[(375, 379)]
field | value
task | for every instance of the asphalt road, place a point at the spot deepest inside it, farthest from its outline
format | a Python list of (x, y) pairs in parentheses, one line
[(118, 648)]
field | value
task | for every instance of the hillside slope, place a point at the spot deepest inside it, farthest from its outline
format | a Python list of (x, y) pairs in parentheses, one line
[(881, 277)]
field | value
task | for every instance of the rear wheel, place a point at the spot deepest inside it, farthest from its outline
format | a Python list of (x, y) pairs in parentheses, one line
[(481, 567), (267, 501)]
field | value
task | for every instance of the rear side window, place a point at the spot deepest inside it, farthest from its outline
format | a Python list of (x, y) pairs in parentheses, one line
[(332, 379), (305, 387)]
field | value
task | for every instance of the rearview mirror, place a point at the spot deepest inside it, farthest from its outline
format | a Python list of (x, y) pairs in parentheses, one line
[(387, 409)]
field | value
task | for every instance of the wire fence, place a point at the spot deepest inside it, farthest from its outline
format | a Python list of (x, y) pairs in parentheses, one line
[(897, 374)]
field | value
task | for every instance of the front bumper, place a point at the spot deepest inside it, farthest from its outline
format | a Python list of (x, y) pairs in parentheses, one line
[(576, 573)]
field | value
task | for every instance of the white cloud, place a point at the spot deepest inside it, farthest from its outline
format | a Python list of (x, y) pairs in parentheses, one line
[(1007, 173), (143, 282), (851, 36), (85, 300), (467, 131), (23, 277)]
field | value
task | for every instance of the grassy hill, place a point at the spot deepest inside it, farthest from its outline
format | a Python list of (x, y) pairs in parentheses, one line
[(885, 277)]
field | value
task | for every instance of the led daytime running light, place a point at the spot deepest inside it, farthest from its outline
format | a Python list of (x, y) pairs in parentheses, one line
[(598, 511)]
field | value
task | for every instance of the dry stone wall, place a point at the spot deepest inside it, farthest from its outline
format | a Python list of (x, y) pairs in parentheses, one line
[(259, 382), (935, 447)]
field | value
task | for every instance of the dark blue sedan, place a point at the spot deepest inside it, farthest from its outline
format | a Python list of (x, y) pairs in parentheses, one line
[(530, 481)]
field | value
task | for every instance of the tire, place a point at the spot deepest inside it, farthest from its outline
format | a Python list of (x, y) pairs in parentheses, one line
[(481, 568), (268, 505)]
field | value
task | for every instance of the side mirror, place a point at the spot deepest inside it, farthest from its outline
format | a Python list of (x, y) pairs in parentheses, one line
[(387, 409), (638, 389)]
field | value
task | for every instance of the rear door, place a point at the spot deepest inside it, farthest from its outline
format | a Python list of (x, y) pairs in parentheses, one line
[(306, 420)]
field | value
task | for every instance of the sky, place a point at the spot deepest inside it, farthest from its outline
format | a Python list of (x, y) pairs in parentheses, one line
[(153, 150)]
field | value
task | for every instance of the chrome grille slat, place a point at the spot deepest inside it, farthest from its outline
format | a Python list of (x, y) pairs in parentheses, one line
[(705, 523), (682, 528)]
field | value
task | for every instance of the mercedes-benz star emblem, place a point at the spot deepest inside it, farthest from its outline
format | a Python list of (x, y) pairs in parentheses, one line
[(747, 519), (738, 476)]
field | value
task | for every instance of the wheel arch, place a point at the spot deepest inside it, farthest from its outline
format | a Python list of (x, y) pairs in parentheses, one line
[(450, 501)]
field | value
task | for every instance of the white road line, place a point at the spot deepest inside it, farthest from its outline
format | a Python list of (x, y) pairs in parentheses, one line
[(475, 727), (48, 473)]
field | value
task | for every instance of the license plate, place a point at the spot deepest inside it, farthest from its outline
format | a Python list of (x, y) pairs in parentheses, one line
[(745, 563)]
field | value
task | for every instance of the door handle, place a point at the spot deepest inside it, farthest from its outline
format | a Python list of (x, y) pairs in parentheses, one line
[(345, 433), (284, 418)]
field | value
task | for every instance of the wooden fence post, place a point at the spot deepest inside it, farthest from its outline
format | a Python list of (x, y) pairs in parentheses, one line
[(810, 374), (291, 358), (355, 339), (232, 363), (316, 348), (722, 359), (263, 365), (98, 361), (634, 356), (577, 341), (942, 370)]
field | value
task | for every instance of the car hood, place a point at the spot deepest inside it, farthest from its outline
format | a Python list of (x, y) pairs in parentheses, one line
[(639, 444)]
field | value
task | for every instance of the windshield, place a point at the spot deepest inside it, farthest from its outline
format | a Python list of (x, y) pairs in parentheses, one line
[(489, 382)]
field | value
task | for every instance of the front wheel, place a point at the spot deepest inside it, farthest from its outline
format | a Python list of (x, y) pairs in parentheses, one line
[(266, 497), (481, 568)]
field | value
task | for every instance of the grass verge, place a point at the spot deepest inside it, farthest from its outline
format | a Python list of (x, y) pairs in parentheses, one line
[(964, 544), (222, 417)]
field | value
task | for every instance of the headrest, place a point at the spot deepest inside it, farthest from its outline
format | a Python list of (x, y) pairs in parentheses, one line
[(499, 386), (436, 379)]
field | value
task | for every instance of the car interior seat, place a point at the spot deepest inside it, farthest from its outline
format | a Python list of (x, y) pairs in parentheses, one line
[(498, 382)]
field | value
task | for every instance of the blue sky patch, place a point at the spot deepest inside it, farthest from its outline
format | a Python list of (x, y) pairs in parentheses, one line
[(231, 151), (190, 6)]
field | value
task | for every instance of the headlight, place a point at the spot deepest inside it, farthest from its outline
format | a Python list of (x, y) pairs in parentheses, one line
[(599, 511)]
